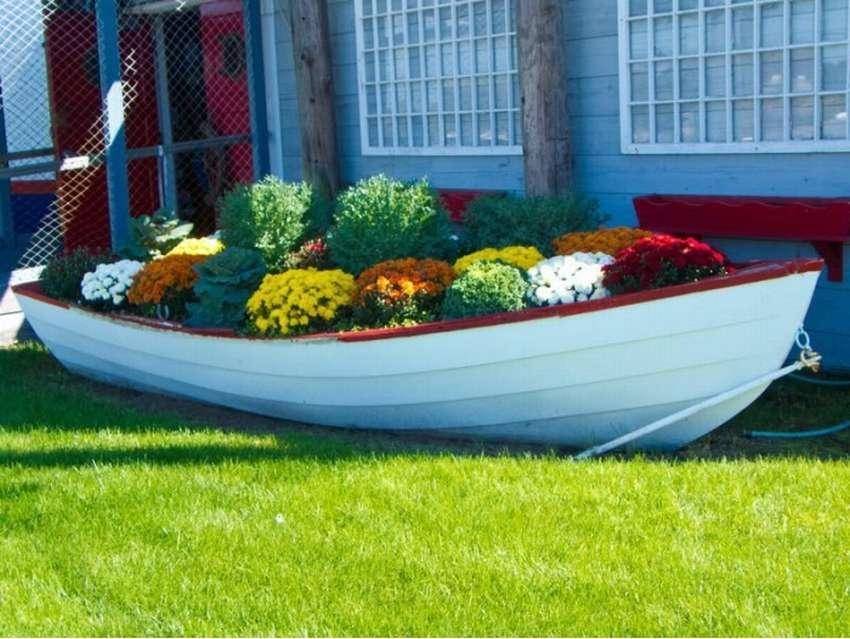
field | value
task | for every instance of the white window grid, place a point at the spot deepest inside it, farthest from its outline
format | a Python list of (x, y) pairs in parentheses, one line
[(827, 103), (438, 77)]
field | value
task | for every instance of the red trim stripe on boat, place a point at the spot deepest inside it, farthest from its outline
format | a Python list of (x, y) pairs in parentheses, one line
[(746, 274)]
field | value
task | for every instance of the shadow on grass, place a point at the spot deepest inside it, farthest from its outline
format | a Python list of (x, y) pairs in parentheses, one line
[(37, 394), (160, 455)]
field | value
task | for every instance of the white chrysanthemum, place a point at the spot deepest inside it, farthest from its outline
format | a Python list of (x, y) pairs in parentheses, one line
[(109, 282), (565, 279)]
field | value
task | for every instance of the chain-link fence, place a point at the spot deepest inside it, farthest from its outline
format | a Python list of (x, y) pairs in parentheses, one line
[(186, 116)]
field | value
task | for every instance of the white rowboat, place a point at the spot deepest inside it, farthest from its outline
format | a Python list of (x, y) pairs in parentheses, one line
[(577, 375)]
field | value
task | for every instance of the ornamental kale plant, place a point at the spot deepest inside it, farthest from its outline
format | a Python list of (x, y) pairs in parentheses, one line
[(225, 282), (62, 276), (271, 216), (498, 222), (485, 288), (152, 236), (381, 219)]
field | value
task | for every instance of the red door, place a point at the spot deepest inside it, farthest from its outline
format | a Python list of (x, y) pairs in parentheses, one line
[(226, 81), (73, 77)]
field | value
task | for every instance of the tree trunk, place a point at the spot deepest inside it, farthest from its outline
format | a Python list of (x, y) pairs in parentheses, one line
[(543, 78), (311, 51)]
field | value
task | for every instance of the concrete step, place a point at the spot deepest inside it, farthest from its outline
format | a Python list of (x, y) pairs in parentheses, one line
[(13, 326)]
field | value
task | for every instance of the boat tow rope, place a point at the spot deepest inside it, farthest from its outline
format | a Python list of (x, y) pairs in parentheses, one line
[(808, 359)]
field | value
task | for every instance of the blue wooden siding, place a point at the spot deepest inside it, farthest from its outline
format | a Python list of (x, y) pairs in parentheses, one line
[(602, 171)]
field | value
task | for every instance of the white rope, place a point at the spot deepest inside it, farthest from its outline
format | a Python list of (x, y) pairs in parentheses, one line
[(808, 359)]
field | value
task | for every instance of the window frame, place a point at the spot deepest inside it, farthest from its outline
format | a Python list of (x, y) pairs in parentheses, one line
[(432, 151), (628, 147)]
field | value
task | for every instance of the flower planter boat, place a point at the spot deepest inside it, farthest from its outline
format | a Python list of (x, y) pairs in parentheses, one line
[(575, 375)]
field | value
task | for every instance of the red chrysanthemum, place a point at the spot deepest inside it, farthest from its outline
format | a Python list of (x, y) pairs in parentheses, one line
[(663, 260)]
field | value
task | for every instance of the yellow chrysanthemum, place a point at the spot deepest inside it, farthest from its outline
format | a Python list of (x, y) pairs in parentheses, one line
[(198, 246), (523, 257), (298, 300)]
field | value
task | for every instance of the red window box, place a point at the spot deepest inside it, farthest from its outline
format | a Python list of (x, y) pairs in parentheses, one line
[(456, 202), (824, 222)]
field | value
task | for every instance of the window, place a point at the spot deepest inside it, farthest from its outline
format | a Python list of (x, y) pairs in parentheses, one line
[(727, 76), (438, 77), (232, 55)]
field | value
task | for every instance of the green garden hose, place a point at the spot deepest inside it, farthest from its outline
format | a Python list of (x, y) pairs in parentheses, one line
[(834, 383), (806, 434)]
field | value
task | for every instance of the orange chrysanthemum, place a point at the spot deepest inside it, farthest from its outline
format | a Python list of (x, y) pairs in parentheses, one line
[(168, 276), (610, 241), (401, 280)]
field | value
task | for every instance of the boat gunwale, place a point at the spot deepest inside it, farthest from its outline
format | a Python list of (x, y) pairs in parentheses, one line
[(749, 273)]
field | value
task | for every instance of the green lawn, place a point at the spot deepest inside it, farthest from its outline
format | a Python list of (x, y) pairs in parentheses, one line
[(126, 514)]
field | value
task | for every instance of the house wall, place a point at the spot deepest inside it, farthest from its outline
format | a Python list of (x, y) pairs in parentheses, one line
[(601, 170)]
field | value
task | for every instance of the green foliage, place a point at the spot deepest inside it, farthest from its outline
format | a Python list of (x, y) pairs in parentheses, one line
[(321, 216), (376, 311), (63, 274), (153, 236), (273, 217), (225, 282), (381, 219), (498, 222), (485, 288)]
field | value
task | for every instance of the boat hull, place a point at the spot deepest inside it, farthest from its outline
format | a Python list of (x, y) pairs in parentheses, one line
[(576, 377)]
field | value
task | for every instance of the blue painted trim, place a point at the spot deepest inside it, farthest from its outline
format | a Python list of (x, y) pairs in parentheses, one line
[(112, 94), (257, 87), (7, 228), (167, 166)]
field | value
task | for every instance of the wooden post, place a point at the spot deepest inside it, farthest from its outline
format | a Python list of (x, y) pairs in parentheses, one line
[(543, 78), (308, 20)]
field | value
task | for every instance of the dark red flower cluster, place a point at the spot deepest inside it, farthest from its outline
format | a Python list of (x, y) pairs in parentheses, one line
[(663, 260), (312, 254)]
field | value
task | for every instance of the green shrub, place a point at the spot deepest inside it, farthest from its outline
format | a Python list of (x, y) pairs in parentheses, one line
[(321, 216), (152, 236), (225, 282), (498, 222), (62, 276), (381, 219), (271, 216), (485, 288)]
